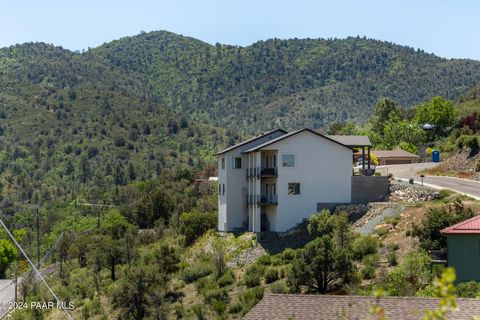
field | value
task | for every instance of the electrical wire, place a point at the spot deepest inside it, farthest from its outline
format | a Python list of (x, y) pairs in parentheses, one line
[(59, 302)]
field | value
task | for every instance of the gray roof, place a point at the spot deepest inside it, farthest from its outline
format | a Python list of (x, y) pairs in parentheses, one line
[(352, 141), (331, 307), (248, 141), (285, 136)]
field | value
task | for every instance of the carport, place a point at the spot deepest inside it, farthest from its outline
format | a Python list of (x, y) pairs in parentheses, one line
[(356, 142)]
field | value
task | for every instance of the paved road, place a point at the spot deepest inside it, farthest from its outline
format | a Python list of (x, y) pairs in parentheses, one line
[(7, 289), (407, 171), (7, 294)]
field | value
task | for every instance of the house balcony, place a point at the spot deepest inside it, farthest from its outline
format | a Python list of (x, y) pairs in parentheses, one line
[(266, 199), (269, 172), (269, 199)]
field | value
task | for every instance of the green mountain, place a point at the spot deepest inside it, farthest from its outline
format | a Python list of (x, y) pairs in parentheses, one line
[(84, 123), (288, 83), (71, 125)]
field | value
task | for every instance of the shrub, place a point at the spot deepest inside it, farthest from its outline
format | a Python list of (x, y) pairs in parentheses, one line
[(473, 144), (265, 260), (393, 247), (469, 289), (477, 167), (271, 275), (368, 272), (215, 294), (381, 232), (194, 272), (252, 280), (199, 311), (392, 258), (288, 255), (428, 231), (393, 220), (444, 193), (364, 245), (253, 275), (278, 288), (246, 300), (219, 307), (194, 224), (412, 274), (226, 280)]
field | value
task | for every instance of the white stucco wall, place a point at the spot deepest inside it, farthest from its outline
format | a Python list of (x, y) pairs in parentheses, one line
[(322, 167)]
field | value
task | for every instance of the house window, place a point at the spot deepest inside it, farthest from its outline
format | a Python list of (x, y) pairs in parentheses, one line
[(237, 163), (219, 189), (288, 160), (223, 163), (293, 188), (223, 189)]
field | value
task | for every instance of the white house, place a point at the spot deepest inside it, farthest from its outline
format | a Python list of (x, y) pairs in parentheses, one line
[(274, 181)]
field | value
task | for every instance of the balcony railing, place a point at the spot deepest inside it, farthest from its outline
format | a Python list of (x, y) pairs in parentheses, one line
[(256, 199), (269, 199), (269, 172)]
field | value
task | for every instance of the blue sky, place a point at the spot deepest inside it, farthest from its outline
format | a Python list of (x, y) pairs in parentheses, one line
[(446, 28)]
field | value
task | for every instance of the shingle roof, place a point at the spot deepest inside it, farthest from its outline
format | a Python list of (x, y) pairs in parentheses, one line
[(249, 140), (351, 141), (469, 226), (398, 153), (330, 307), (285, 136)]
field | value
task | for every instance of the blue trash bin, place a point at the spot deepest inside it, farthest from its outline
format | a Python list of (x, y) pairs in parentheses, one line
[(435, 156)]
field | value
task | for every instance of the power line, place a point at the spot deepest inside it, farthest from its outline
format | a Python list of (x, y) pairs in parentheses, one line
[(36, 270)]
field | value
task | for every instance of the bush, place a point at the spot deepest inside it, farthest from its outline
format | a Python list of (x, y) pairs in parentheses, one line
[(469, 289), (444, 193), (392, 258), (252, 280), (194, 272), (271, 275), (246, 300), (368, 272), (412, 274), (288, 255), (428, 231), (473, 144), (393, 247), (278, 288), (194, 224), (219, 307), (253, 275), (265, 260), (393, 220), (226, 280), (363, 246), (216, 294)]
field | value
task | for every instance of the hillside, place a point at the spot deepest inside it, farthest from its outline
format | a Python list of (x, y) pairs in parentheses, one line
[(470, 101), (288, 83), (71, 126)]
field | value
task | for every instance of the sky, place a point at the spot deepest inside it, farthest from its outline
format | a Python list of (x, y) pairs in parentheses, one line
[(447, 28)]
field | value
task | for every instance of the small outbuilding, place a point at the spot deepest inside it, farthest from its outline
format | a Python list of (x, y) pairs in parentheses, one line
[(463, 243)]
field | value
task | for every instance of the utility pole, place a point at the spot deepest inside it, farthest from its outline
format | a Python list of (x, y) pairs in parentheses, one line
[(16, 283), (38, 237)]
